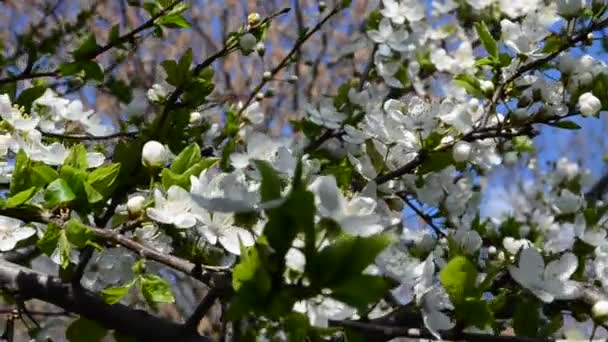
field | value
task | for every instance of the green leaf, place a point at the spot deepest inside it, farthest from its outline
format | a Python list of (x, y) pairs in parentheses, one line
[(93, 196), (48, 242), (297, 327), (169, 178), (42, 175), (458, 278), (294, 216), (186, 158), (526, 318), (346, 258), (113, 295), (75, 179), (174, 21), (58, 192), (77, 157), (27, 96), (565, 124), (20, 198), (436, 161), (20, 180), (523, 144), (155, 289), (486, 38), (362, 290), (470, 84), (65, 250), (86, 49), (475, 311), (553, 44), (84, 330), (271, 183), (121, 90), (103, 178), (251, 281), (92, 70), (114, 34), (178, 73), (77, 233), (485, 61)]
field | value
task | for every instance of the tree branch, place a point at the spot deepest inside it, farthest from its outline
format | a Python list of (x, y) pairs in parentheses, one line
[(202, 309), (137, 323)]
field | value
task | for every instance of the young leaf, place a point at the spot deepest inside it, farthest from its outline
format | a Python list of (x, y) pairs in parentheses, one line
[(271, 184), (113, 295), (77, 233), (155, 289), (20, 180), (65, 250), (526, 318), (345, 259), (58, 192), (103, 178), (42, 175), (86, 49), (20, 198), (486, 39), (27, 96), (77, 157), (186, 158), (48, 242), (458, 277), (362, 289)]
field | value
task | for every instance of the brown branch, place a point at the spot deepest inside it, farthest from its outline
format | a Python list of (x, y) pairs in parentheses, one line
[(83, 137), (377, 332), (137, 323), (27, 76), (202, 309), (215, 276)]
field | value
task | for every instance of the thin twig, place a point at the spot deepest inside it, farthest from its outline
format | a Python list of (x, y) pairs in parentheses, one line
[(422, 215)]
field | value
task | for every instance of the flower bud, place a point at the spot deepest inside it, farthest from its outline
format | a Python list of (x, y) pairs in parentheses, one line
[(153, 154), (135, 205), (260, 48), (267, 76), (292, 79), (259, 96), (322, 6), (157, 93), (461, 151), (566, 63), (589, 104), (486, 86), (569, 8), (599, 311), (253, 19), (247, 43), (195, 118)]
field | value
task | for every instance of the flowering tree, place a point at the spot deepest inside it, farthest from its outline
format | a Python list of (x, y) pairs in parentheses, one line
[(303, 237)]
